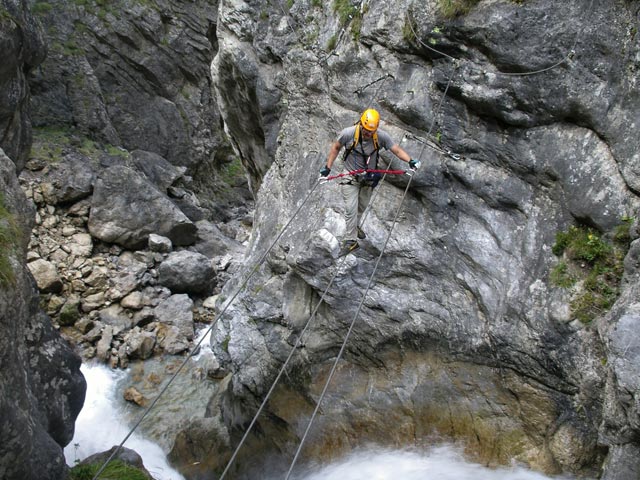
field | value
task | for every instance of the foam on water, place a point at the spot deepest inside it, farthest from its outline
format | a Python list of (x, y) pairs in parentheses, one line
[(100, 426), (439, 463)]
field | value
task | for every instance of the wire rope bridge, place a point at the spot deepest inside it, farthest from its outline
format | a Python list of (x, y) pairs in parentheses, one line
[(425, 143)]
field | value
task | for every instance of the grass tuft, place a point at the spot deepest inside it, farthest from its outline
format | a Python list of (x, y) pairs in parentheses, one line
[(10, 238), (593, 265)]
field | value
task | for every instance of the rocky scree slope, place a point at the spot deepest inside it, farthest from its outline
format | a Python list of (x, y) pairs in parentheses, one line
[(463, 335), (141, 205)]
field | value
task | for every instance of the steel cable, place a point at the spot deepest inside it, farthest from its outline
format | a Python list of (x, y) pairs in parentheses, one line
[(207, 332)]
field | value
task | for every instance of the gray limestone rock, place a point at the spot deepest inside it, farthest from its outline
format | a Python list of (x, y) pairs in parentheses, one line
[(126, 209), (187, 272)]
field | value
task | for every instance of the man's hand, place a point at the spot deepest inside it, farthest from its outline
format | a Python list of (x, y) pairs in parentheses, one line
[(414, 164), (325, 171)]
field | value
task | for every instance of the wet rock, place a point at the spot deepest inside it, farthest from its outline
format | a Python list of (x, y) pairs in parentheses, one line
[(103, 348), (134, 396), (125, 455)]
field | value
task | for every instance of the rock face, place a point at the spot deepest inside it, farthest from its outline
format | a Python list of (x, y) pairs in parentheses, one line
[(462, 334), (23, 46), (524, 115), (41, 387)]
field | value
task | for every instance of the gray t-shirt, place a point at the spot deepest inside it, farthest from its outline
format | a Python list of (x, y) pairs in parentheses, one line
[(363, 156)]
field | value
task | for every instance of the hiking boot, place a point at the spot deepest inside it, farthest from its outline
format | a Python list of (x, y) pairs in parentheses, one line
[(361, 233), (349, 246)]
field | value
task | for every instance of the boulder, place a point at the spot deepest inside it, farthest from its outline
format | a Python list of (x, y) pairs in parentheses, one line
[(187, 272), (46, 276), (157, 169), (160, 244), (177, 311), (140, 344), (126, 208)]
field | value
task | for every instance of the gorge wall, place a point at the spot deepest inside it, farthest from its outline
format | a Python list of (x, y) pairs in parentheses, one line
[(41, 388), (524, 114), (463, 335)]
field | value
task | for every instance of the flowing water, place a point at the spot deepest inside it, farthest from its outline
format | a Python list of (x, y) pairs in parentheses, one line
[(439, 463), (100, 425), (106, 419)]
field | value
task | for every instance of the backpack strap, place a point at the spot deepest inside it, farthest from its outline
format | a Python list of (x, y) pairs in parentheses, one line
[(356, 140)]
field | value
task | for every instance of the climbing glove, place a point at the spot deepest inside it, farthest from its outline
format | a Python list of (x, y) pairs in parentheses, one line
[(324, 171), (414, 164)]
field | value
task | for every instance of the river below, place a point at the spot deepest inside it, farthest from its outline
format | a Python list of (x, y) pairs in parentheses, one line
[(106, 419)]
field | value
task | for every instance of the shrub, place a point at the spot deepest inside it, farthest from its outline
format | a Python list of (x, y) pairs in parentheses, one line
[(596, 263)]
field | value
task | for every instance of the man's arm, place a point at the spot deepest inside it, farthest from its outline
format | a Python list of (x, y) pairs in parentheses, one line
[(399, 152), (333, 153)]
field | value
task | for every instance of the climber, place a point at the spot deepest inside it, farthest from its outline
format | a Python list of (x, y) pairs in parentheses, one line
[(362, 143)]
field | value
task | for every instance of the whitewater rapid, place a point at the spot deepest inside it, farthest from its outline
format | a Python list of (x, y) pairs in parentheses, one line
[(101, 425)]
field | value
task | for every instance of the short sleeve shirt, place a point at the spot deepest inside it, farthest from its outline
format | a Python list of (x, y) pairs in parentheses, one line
[(363, 155)]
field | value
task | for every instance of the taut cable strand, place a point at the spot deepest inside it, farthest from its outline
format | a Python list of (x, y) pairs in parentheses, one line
[(346, 339), (282, 370), (208, 331)]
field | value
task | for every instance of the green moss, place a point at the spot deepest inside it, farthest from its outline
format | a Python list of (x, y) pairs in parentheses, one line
[(596, 263), (41, 8), (455, 8), (10, 238), (331, 43), (117, 151), (346, 11), (49, 143), (561, 276), (232, 171), (408, 30), (115, 470)]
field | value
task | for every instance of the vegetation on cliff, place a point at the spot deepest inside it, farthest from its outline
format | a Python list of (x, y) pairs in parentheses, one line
[(9, 240)]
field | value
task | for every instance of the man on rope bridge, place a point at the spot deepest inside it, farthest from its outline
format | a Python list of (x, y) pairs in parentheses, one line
[(362, 143)]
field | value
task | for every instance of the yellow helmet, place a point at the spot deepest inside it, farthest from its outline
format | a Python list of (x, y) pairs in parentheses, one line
[(370, 119)]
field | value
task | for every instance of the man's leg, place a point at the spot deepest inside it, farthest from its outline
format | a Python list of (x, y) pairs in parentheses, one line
[(350, 193), (364, 197)]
